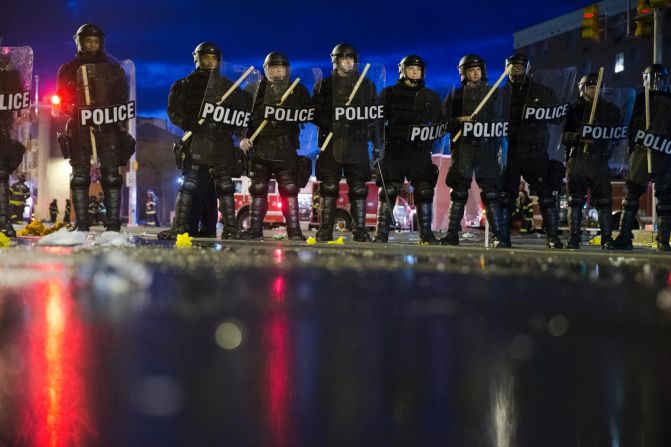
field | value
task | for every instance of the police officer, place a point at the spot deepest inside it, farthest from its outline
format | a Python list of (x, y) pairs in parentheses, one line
[(409, 102), (474, 159), (184, 103), (587, 166), (527, 154), (347, 152), (274, 150), (10, 82), (114, 144), (656, 76)]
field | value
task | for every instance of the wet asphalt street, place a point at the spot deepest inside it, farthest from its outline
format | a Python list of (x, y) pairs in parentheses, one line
[(287, 344)]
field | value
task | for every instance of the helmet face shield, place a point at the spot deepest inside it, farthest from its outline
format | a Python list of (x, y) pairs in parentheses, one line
[(276, 67), (408, 62), (656, 81), (90, 39), (207, 56), (472, 61), (345, 58)]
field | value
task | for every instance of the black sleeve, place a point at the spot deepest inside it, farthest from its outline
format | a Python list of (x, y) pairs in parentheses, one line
[(321, 100), (176, 110)]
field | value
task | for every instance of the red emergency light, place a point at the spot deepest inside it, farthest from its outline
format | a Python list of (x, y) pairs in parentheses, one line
[(55, 100)]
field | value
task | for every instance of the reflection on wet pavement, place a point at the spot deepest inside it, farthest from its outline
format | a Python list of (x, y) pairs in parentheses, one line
[(287, 345)]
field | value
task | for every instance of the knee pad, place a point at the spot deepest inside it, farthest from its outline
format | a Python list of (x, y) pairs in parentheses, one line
[(81, 177), (189, 184), (576, 201), (459, 195), (423, 193), (329, 189), (489, 196), (664, 205), (287, 187), (258, 189), (358, 191), (224, 186), (111, 179), (392, 191), (635, 191)]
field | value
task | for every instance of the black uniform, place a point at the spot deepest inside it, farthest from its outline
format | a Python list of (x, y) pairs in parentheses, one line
[(479, 158), (113, 143), (53, 211), (407, 105), (528, 157), (638, 178), (588, 169), (274, 153), (210, 148), (203, 216), (346, 153), (11, 151)]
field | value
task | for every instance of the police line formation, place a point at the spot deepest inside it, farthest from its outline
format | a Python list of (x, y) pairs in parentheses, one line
[(238, 120)]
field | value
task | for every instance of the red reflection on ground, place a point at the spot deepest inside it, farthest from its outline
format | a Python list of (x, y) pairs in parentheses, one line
[(277, 349), (278, 290), (56, 410)]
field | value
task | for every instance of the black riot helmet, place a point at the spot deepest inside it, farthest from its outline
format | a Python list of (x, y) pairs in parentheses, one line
[(657, 77), (470, 61), (88, 30), (274, 59), (342, 50), (586, 81), (408, 61), (518, 59), (206, 48)]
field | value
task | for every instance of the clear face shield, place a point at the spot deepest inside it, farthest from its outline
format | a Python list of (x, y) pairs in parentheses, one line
[(346, 65), (207, 62), (518, 72), (277, 73), (656, 81)]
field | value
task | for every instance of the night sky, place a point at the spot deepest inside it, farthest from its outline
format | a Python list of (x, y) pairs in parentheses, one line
[(159, 36)]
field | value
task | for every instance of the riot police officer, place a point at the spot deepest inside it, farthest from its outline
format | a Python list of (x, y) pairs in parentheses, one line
[(114, 144), (471, 155), (408, 103), (587, 166), (347, 151), (527, 154), (274, 150), (655, 76), (219, 157)]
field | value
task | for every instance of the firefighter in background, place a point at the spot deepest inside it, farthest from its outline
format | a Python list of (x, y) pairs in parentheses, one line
[(151, 208), (524, 211), (18, 195), (53, 211)]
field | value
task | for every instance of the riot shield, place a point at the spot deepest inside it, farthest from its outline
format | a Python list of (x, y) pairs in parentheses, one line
[(16, 71), (283, 115), (657, 136), (481, 147), (226, 112), (104, 112), (605, 128), (350, 114), (544, 112)]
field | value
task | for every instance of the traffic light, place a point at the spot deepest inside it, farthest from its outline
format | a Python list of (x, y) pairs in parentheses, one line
[(644, 25), (590, 23)]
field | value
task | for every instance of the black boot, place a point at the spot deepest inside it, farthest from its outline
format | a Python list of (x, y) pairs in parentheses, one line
[(6, 226), (227, 209), (454, 216), (180, 223), (80, 203), (663, 232), (291, 217), (493, 212), (383, 221), (623, 241), (358, 212), (112, 202), (258, 207), (606, 226), (328, 209), (551, 225), (506, 217), (574, 223), (424, 217)]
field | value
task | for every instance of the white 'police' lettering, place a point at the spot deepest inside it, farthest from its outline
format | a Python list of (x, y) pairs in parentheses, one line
[(224, 115), (543, 113), (485, 130), (427, 133), (359, 113), (651, 141), (289, 115), (604, 132), (14, 101), (97, 116)]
